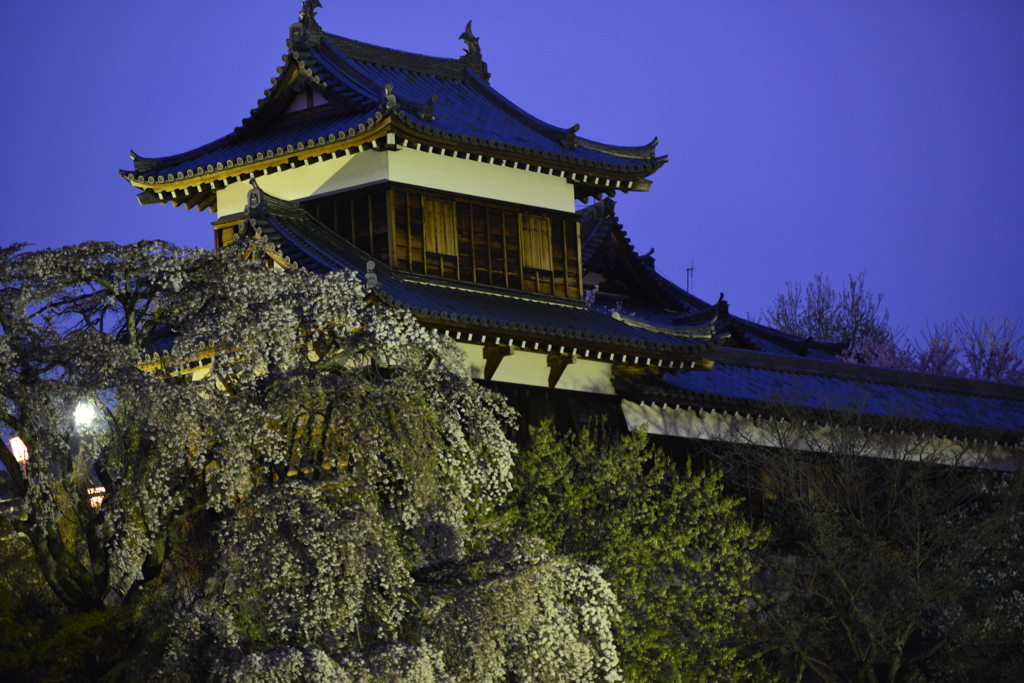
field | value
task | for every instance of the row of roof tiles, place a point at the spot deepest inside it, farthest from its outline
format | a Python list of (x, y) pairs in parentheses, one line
[(758, 387)]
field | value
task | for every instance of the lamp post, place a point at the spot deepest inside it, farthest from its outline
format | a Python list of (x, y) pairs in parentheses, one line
[(85, 414)]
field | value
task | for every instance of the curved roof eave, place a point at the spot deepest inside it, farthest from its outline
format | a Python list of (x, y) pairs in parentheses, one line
[(330, 68), (560, 135)]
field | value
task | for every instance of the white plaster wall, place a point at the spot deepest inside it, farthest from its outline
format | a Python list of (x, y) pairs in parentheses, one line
[(481, 179), (730, 428), (308, 181), (531, 368), (589, 376), (670, 422), (408, 166)]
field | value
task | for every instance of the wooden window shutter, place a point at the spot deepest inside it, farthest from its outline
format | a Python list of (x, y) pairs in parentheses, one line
[(536, 242), (439, 234), (223, 237)]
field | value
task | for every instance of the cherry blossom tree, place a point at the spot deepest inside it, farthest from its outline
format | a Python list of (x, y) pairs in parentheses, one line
[(293, 479), (979, 348), (826, 313), (975, 348)]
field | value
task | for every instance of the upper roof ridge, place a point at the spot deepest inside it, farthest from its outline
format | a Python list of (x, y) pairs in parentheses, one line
[(385, 56)]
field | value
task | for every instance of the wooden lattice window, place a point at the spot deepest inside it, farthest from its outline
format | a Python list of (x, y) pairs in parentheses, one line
[(439, 234), (225, 236), (536, 242)]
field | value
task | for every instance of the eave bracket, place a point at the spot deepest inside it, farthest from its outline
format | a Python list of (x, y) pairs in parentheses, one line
[(494, 355), (557, 362)]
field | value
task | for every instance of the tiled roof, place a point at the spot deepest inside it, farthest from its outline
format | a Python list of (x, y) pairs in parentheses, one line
[(353, 75), (302, 240), (749, 381), (783, 370)]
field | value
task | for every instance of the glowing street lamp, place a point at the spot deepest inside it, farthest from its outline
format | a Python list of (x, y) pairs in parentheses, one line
[(84, 414)]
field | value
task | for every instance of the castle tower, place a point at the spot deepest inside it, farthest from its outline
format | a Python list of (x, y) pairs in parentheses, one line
[(415, 160), (458, 206)]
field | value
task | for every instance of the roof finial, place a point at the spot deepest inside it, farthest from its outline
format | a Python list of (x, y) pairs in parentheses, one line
[(254, 200), (473, 58), (390, 101), (307, 15), (306, 30), (427, 114), (569, 141), (472, 42)]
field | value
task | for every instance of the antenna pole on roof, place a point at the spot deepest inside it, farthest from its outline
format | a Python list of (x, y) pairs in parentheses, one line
[(689, 277)]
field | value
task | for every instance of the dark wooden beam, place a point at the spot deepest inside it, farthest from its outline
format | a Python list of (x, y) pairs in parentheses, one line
[(147, 197), (494, 355), (557, 362), (704, 364), (623, 370)]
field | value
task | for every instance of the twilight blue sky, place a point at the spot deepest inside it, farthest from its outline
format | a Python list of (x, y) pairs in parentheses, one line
[(802, 136)]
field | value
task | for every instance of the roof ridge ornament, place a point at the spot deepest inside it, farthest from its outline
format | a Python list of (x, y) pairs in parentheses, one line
[(427, 113), (254, 201), (390, 102), (307, 15), (307, 29), (142, 164), (569, 141), (473, 58)]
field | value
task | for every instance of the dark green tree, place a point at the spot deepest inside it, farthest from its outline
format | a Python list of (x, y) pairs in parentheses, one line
[(676, 551)]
